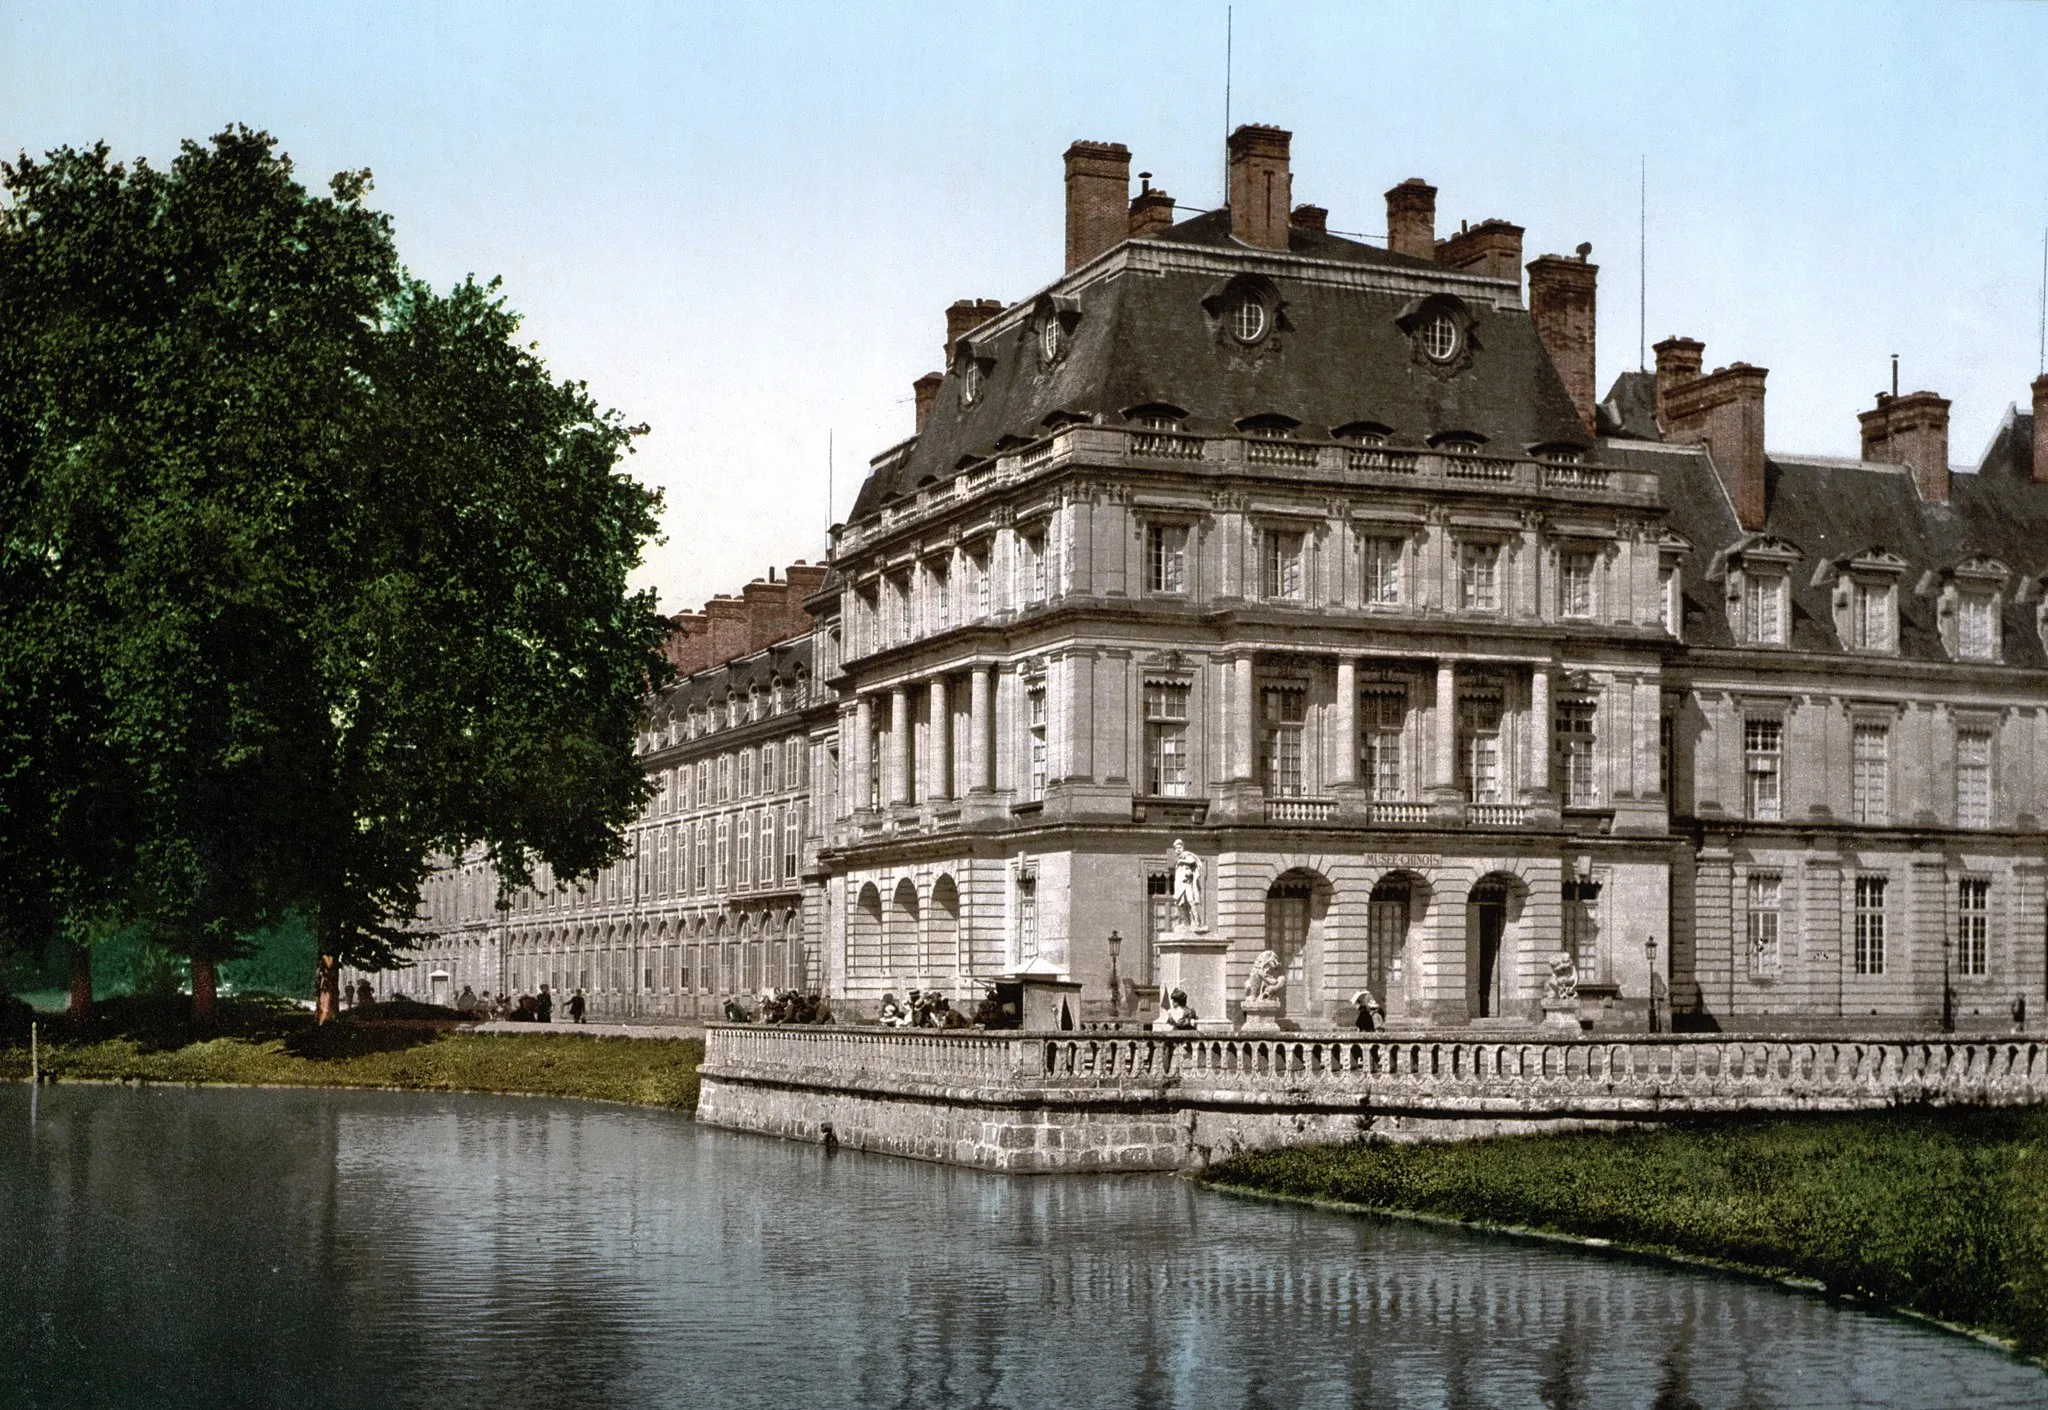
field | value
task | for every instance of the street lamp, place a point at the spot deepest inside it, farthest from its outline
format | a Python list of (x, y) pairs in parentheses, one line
[(1116, 990), (1650, 954)]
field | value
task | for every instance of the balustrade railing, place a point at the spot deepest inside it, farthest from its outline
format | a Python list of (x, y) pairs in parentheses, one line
[(1272, 452), (1497, 814), (1280, 810), (1400, 813), (1624, 1073), (1164, 445)]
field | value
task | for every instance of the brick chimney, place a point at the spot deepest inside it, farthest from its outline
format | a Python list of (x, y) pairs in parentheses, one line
[(964, 316), (1678, 360), (728, 628), (1261, 189), (2040, 476), (1151, 210), (688, 646), (1098, 190), (1911, 430), (767, 606), (1411, 219), (1310, 218), (1492, 248), (1561, 303), (926, 389), (804, 581), (1723, 411)]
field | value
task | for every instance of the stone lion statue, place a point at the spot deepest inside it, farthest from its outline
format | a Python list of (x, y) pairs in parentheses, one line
[(1563, 983), (1264, 982)]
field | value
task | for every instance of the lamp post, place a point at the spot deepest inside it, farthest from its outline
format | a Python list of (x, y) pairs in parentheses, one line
[(1650, 954), (1116, 991)]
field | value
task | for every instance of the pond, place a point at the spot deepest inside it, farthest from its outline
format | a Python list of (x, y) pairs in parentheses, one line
[(174, 1247)]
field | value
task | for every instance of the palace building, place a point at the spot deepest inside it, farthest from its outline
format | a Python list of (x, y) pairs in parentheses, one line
[(1325, 559)]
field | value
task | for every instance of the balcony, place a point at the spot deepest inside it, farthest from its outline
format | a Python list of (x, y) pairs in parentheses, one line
[(1497, 814), (1397, 814)]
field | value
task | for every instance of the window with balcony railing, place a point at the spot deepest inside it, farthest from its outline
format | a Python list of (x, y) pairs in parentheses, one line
[(1575, 753), (1383, 720), (1166, 738), (1283, 713), (1479, 718)]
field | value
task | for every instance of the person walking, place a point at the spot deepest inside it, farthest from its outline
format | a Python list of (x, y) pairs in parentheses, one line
[(576, 1006), (545, 1005)]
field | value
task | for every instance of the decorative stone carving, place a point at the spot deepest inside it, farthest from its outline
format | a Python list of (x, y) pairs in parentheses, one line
[(1561, 993), (1187, 887), (1265, 981)]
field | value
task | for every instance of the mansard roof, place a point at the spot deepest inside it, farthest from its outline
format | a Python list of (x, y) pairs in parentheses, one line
[(1837, 509), (780, 662), (1145, 330)]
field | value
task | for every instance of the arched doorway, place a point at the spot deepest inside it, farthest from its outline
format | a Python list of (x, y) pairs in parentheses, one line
[(1494, 904), (905, 944), (1396, 903), (942, 937), (1296, 905)]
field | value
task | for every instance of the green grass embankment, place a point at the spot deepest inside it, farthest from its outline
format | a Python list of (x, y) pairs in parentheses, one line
[(259, 1045), (1943, 1212)]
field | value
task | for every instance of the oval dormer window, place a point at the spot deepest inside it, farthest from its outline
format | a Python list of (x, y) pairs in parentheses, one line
[(1248, 319), (970, 381), (1439, 335), (1049, 340)]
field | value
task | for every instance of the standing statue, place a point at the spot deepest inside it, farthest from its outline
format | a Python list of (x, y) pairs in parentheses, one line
[(1263, 984), (1187, 887)]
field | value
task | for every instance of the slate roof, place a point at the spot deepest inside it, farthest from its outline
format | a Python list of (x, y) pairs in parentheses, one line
[(1336, 357), (781, 662), (1630, 409), (1836, 509)]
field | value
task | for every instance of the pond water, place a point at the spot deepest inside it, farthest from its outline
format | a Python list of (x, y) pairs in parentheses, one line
[(172, 1247)]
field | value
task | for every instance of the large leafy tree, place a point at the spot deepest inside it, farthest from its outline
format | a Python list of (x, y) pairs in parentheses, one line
[(309, 574)]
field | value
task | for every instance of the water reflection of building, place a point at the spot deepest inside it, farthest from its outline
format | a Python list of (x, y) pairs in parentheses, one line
[(1323, 557)]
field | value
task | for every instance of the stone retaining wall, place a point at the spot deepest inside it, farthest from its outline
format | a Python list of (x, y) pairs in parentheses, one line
[(1047, 1102)]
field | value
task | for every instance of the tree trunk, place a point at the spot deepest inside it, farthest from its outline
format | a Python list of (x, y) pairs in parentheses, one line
[(326, 987), (81, 982), (205, 980)]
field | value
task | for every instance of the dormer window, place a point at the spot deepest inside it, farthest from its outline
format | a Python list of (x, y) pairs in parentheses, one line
[(1247, 318), (1976, 627), (1439, 337), (1969, 607), (970, 382), (1866, 599), (1757, 574), (1870, 616), (1763, 608), (1246, 308), (1051, 340)]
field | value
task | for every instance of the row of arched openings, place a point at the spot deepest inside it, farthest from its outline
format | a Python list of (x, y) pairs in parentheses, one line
[(905, 932)]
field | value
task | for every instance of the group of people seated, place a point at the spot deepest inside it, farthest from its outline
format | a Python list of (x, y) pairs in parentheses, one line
[(925, 1008), (527, 1008)]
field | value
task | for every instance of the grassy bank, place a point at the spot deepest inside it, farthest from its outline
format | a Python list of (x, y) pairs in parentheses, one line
[(1942, 1212), (260, 1044)]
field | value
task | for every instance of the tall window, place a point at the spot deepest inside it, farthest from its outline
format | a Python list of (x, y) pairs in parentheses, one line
[(977, 570), (1167, 557), (877, 738), (1479, 577), (1283, 711), (767, 834), (789, 842), (704, 783), (1166, 739), (746, 773), (724, 854), (1973, 778), (1765, 922), (1870, 925), (1031, 566), (1575, 753), (1284, 578), (1976, 632), (1382, 716), (1383, 571), (939, 584), (1575, 584), (1479, 732), (1667, 600), (793, 763), (1763, 752), (1870, 775), (1870, 616), (1027, 917), (1763, 598), (724, 777), (746, 849), (703, 834), (770, 757), (661, 866), (903, 609), (1973, 926), (1034, 704)]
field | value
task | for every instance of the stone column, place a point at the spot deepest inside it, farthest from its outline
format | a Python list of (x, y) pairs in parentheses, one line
[(863, 742), (1539, 728), (1243, 718), (1344, 725), (939, 742), (899, 745), (1445, 773), (980, 707)]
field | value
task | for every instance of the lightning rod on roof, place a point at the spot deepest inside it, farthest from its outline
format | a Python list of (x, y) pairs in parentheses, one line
[(2042, 366), (1642, 262), (1228, 17)]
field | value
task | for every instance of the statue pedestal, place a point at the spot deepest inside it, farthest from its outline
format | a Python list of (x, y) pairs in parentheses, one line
[(1261, 1015), (1192, 962), (1562, 1013)]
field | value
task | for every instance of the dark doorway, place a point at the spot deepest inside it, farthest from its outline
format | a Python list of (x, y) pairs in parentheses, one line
[(1491, 903), (1386, 932)]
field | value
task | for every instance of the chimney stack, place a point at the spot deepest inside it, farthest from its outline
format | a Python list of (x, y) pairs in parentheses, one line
[(927, 391), (1098, 191), (2040, 475), (1911, 430), (1492, 248), (1310, 218), (1151, 209), (1723, 411), (1561, 301), (1411, 219), (1261, 189), (964, 316)]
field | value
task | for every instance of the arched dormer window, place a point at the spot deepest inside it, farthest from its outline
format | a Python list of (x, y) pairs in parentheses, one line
[(1442, 329), (1157, 416), (971, 365), (1270, 426), (1247, 309), (1865, 599), (1054, 318), (1969, 607), (1757, 576)]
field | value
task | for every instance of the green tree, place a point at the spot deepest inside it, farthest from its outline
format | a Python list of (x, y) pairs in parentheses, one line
[(309, 574)]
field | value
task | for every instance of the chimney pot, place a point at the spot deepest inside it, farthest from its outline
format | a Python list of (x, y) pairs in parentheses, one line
[(1151, 210), (1911, 430), (1098, 190), (1411, 219), (1723, 411), (1562, 304), (2040, 472), (1310, 218), (1492, 248), (1261, 187), (1678, 362)]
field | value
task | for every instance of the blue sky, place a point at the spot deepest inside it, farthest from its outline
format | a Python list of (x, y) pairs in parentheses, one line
[(742, 224)]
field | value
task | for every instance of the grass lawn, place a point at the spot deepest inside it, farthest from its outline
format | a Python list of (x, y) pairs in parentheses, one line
[(1940, 1211), (257, 1044)]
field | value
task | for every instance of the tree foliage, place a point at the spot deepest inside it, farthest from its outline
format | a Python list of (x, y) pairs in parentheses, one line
[(309, 573)]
